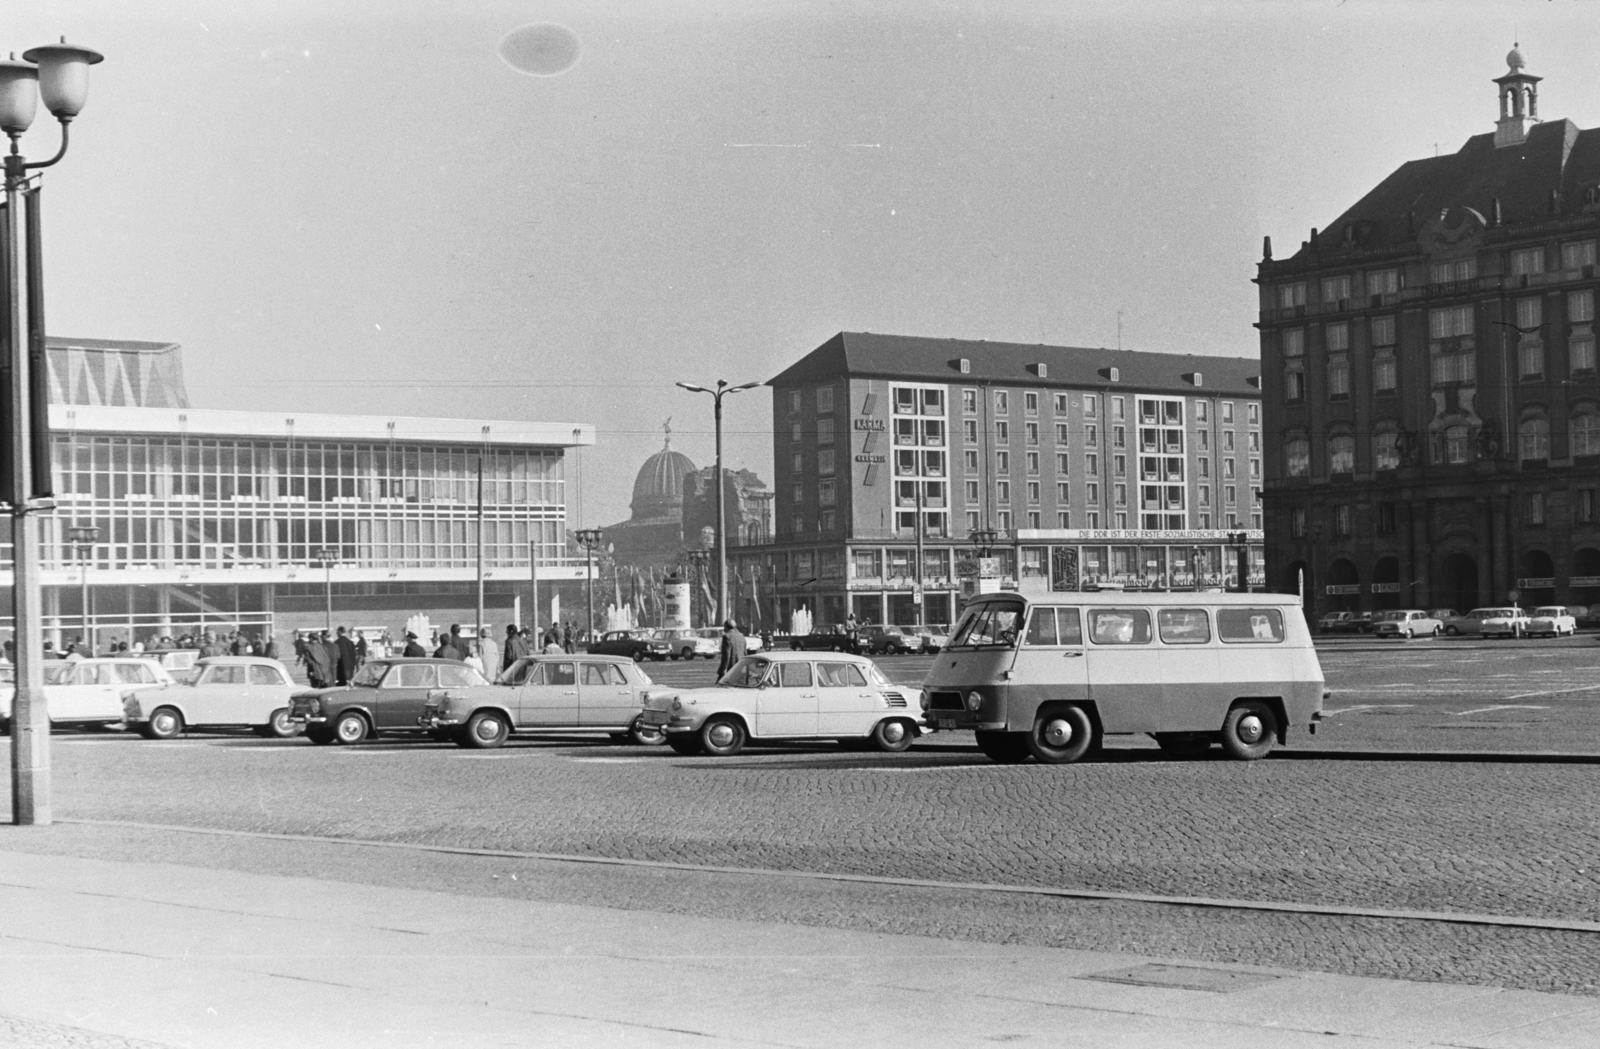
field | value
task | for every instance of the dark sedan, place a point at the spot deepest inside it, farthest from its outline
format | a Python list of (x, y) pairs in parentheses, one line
[(637, 645), (825, 639), (386, 695)]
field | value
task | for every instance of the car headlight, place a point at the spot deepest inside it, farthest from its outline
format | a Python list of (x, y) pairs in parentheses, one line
[(924, 700), (974, 701)]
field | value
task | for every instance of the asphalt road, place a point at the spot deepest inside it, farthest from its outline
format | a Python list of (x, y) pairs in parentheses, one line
[(1445, 781)]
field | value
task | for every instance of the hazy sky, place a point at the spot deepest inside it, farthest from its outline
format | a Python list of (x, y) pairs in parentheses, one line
[(357, 206)]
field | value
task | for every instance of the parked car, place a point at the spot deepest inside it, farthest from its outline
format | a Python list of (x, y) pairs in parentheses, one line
[(752, 643), (788, 695), (1553, 620), (637, 645), (687, 644), (1444, 615), (1490, 622), (221, 690), (1336, 622), (386, 695), (547, 694), (933, 640), (1407, 622), (886, 640), (176, 659), (826, 639), (87, 691)]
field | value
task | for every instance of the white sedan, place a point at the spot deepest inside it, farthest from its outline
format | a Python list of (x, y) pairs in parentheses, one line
[(788, 695), (87, 691), (1553, 620), (220, 690)]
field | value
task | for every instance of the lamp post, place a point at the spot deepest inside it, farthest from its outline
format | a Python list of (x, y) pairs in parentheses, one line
[(722, 530), (83, 538), (698, 559), (328, 557), (589, 538), (59, 73)]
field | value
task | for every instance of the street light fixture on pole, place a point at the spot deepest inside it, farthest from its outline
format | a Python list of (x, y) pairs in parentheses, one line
[(722, 525), (329, 557), (59, 73), (83, 538), (589, 538)]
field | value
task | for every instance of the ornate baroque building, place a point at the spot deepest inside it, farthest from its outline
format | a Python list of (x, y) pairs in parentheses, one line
[(1431, 394)]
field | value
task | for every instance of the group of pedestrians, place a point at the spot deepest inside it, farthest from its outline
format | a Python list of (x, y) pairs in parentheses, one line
[(329, 660)]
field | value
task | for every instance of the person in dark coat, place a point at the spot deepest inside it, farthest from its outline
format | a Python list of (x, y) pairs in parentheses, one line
[(566, 639), (319, 668), (459, 643), (346, 665), (446, 650), (332, 649), (412, 649), (270, 648), (733, 648), (516, 647)]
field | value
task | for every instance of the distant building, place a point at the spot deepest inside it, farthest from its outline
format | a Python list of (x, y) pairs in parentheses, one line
[(1432, 401), (1091, 465)]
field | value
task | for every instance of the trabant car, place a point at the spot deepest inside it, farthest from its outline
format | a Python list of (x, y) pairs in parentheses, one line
[(218, 690), (385, 695), (787, 695), (547, 694), (1407, 622), (1052, 676), (637, 645), (1552, 620), (1489, 622), (687, 644), (88, 691)]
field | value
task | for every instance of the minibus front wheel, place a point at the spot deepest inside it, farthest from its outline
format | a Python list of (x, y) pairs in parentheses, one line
[(1249, 730), (1061, 735)]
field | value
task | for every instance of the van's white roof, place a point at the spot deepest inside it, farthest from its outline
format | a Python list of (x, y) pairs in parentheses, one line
[(1142, 597)]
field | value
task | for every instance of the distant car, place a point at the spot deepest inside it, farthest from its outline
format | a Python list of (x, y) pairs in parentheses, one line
[(175, 659), (932, 640), (687, 644), (1336, 622), (1407, 622), (1489, 622), (752, 644), (219, 690), (1553, 620), (637, 645), (886, 640), (384, 696), (87, 691), (1444, 615), (547, 694), (826, 639), (788, 695)]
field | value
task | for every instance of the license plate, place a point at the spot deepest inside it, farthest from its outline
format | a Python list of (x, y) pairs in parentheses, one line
[(944, 723)]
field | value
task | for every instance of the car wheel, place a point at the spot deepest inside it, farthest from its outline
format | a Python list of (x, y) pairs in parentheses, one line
[(687, 743), (1005, 748), (1249, 731), (795, 645), (722, 737), (1435, 631), (645, 735), (486, 730), (1184, 744), (279, 726), (636, 655), (1061, 735), (164, 723), (350, 728), (892, 735), (1452, 631), (1410, 634)]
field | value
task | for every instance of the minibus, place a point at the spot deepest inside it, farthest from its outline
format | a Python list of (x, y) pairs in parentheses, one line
[(1051, 675)]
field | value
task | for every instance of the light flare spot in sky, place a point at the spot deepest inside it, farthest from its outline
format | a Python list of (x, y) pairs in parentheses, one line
[(540, 49)]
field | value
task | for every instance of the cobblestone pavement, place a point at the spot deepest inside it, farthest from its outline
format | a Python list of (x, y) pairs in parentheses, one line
[(19, 1033), (1358, 828)]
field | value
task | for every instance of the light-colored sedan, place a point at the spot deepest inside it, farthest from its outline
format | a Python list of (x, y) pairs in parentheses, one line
[(1490, 622), (546, 694), (1552, 620), (1407, 622), (788, 695), (89, 691), (687, 644), (217, 691)]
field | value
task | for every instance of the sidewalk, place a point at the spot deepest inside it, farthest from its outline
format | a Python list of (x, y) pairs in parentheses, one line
[(120, 955)]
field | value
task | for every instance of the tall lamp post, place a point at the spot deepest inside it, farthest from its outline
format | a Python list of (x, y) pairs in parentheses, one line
[(83, 538), (59, 73), (699, 559), (329, 557), (722, 528), (589, 538)]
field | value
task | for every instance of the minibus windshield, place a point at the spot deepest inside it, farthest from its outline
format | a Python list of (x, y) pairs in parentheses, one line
[(988, 624)]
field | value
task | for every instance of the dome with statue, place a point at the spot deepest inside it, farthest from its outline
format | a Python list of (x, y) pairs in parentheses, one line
[(658, 489)]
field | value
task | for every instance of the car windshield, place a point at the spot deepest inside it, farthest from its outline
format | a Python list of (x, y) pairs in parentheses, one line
[(369, 675), (747, 673), (1550, 611), (987, 624)]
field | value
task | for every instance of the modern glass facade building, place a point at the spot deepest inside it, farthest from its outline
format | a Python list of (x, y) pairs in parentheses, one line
[(221, 518)]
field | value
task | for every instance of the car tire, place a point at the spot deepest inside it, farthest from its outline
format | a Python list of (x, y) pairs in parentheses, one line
[(279, 726), (1436, 632), (637, 655), (486, 730), (1061, 735), (350, 728), (1452, 631), (164, 723), (1249, 731), (1003, 748), (1184, 745), (645, 735), (1410, 633), (722, 736), (685, 743), (892, 735)]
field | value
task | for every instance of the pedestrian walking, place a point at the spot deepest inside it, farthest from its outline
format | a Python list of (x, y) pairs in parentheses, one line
[(319, 668), (567, 644), (270, 647), (733, 648), (462, 646), (346, 665), (445, 650), (516, 647)]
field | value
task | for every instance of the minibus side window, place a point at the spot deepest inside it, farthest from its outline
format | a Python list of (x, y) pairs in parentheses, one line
[(1119, 626), (1184, 626), (1068, 627), (1258, 625), (1041, 627)]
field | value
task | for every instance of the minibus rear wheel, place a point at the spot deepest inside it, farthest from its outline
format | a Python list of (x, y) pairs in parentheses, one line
[(1005, 748), (1061, 735), (1249, 730)]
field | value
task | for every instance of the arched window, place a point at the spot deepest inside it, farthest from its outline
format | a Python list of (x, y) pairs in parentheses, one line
[(1341, 454), (1297, 456), (1586, 434), (1386, 450), (1533, 439)]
